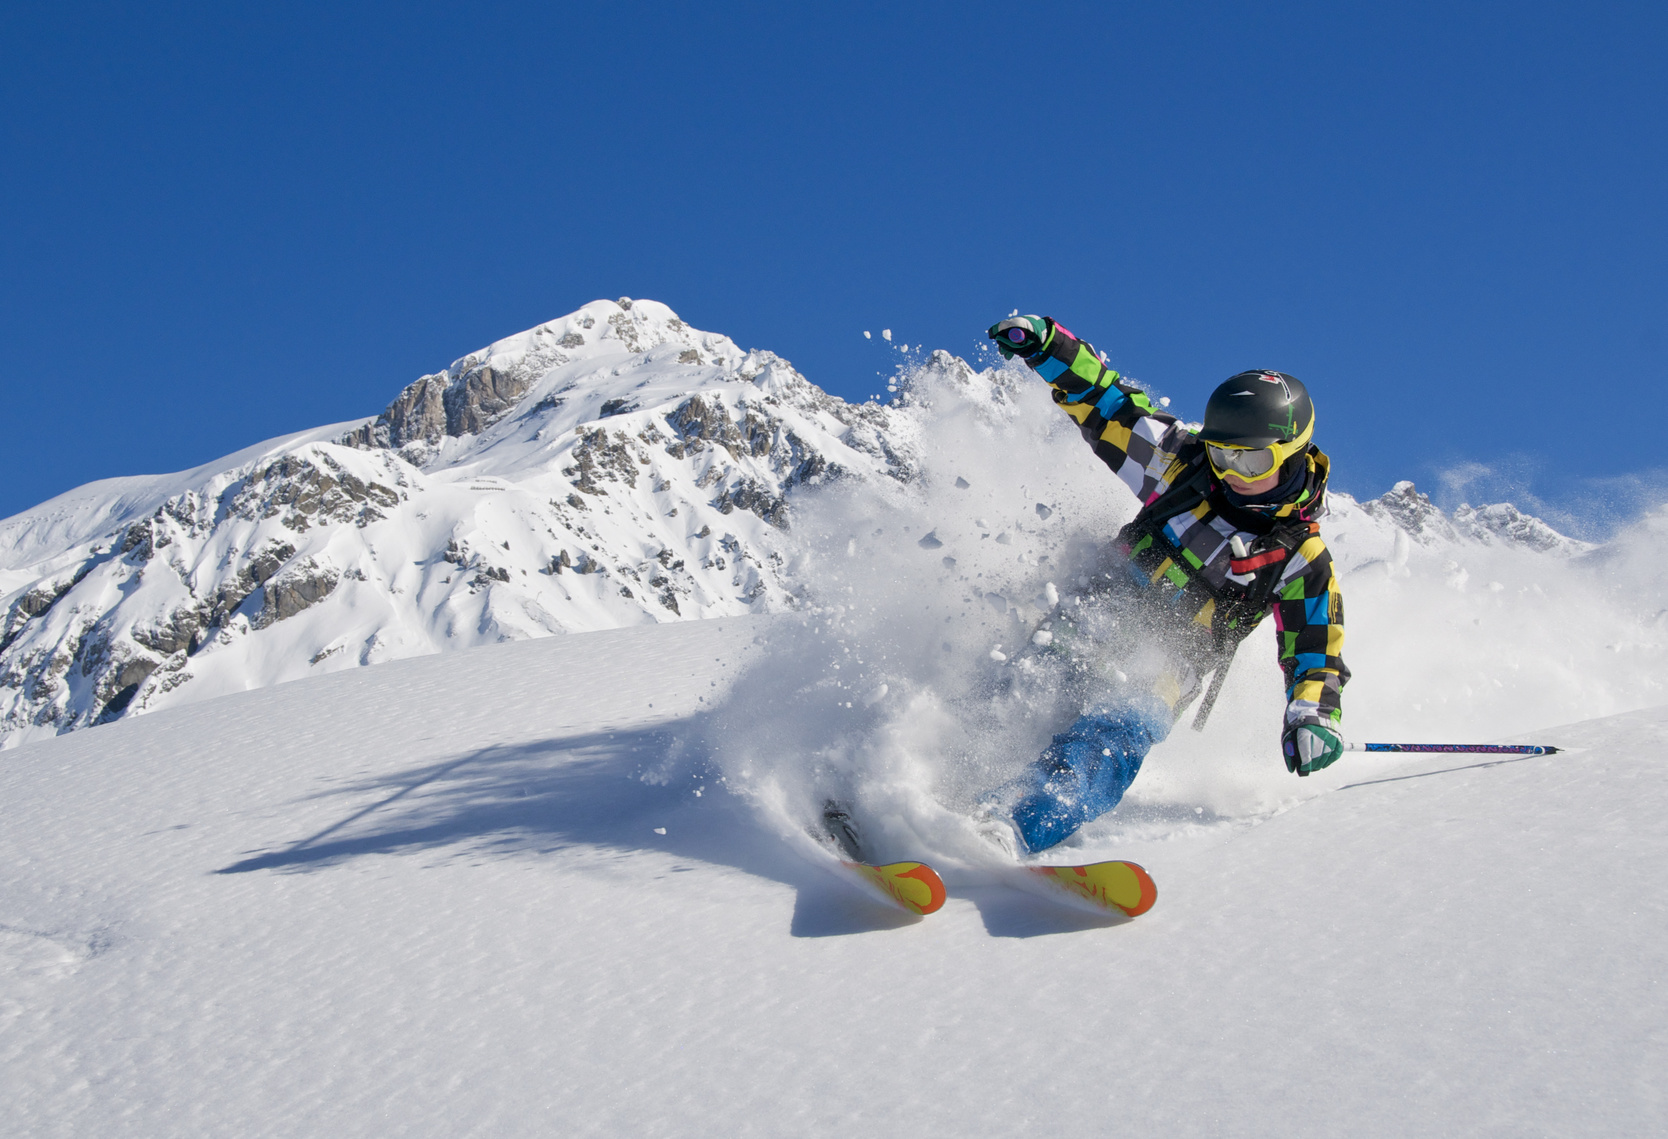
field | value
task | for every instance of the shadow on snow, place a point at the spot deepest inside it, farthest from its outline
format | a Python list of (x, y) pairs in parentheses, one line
[(602, 790)]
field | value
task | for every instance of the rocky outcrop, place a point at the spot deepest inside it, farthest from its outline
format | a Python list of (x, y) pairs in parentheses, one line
[(758, 499), (465, 399), (597, 457), (443, 404), (34, 603), (309, 489), (285, 596), (1501, 524), (177, 633), (1412, 512), (1505, 524), (700, 423), (261, 567), (483, 387)]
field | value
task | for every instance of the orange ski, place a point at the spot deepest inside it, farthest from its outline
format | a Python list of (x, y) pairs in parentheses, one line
[(914, 886), (1110, 885)]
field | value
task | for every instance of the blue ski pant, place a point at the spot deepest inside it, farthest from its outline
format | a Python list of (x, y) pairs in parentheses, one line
[(1085, 771)]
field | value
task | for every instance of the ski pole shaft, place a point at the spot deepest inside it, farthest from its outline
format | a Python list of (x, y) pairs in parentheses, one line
[(1481, 749)]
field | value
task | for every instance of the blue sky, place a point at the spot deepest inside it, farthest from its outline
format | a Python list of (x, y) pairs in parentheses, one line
[(220, 223)]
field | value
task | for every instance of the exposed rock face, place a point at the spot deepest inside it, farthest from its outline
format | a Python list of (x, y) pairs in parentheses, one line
[(1413, 512), (598, 458), (309, 489), (699, 423), (176, 633), (1506, 524), (445, 404), (758, 499), (480, 389), (296, 590), (32, 604), (1500, 524)]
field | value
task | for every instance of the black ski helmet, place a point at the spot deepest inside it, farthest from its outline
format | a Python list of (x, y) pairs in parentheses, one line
[(1260, 409)]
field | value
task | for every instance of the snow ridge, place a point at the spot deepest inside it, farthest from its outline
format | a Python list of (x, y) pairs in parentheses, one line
[(1499, 524)]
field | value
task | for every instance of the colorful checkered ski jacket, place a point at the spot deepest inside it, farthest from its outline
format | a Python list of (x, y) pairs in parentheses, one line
[(1185, 559)]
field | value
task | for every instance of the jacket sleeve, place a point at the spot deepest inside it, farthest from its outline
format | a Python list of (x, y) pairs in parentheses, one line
[(1137, 440), (1309, 629)]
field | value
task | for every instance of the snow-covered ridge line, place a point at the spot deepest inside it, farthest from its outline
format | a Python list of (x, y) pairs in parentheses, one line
[(609, 468), (1500, 524)]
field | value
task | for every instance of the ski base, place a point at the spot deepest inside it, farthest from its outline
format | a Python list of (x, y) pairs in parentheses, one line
[(1121, 886), (913, 886)]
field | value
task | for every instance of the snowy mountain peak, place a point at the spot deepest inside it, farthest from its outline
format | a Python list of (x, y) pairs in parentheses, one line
[(1499, 524), (481, 388), (608, 468)]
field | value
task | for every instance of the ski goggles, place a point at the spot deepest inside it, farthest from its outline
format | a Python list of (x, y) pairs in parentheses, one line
[(1247, 463)]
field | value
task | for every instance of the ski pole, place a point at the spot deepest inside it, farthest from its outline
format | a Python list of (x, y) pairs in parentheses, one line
[(1483, 749)]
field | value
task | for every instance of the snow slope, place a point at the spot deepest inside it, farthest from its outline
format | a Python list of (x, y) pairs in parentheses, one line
[(502, 892)]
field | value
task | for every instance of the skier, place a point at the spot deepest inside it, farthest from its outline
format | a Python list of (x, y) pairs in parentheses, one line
[(1227, 533)]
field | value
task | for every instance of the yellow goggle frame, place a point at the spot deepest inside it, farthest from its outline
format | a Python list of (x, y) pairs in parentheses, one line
[(1253, 463)]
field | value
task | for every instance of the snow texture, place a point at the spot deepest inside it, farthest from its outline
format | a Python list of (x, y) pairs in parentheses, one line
[(483, 894)]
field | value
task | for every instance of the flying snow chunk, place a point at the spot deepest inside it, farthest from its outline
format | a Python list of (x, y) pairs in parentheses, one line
[(931, 541), (866, 335), (886, 335)]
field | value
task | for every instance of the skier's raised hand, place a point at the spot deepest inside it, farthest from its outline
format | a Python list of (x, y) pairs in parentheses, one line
[(1310, 747), (1020, 335)]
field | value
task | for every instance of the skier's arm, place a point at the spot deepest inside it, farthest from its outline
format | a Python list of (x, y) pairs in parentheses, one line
[(1129, 434), (1309, 630)]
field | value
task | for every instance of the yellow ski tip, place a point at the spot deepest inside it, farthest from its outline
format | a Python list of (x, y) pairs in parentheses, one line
[(1113, 885), (913, 885)]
